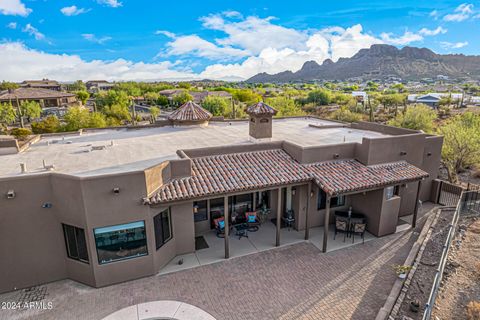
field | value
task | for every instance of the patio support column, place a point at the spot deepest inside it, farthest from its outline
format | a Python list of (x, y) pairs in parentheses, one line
[(307, 208), (417, 200), (279, 216), (227, 227), (326, 223), (254, 204)]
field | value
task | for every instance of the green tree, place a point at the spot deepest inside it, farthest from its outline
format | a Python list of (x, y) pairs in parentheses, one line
[(185, 85), (162, 100), (7, 113), (96, 120), (285, 106), (48, 125), (5, 85), (118, 112), (320, 97), (217, 106), (344, 114), (29, 110), (246, 96), (461, 143), (154, 112), (82, 96), (418, 117), (151, 97), (112, 97), (77, 86), (76, 118), (182, 97)]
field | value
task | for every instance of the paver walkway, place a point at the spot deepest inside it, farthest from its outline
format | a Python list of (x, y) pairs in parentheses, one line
[(293, 282)]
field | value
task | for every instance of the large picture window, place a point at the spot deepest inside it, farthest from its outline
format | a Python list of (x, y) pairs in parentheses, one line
[(163, 229), (334, 202), (76, 243), (119, 242)]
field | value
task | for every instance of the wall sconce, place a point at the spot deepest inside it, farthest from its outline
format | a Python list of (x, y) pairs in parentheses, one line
[(10, 194), (311, 194), (403, 153), (429, 154), (195, 209), (116, 190), (294, 191), (336, 156), (47, 205)]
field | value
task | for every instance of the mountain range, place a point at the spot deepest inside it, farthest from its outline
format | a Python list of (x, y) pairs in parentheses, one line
[(381, 61)]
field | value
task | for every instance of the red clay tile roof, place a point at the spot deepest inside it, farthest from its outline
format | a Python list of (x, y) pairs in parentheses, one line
[(234, 172), (261, 108), (222, 174), (343, 176), (33, 93), (190, 111)]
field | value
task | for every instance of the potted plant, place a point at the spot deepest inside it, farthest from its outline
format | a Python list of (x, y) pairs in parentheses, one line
[(402, 270)]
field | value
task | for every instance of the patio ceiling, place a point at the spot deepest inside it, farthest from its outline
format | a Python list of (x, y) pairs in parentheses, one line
[(248, 171)]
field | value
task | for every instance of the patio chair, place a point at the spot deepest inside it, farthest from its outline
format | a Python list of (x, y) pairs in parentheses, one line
[(220, 227), (358, 228), (341, 225), (252, 220), (289, 219)]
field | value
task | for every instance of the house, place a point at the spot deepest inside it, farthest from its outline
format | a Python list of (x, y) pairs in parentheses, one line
[(433, 99), (106, 207), (42, 84), (45, 97), (361, 96), (94, 86)]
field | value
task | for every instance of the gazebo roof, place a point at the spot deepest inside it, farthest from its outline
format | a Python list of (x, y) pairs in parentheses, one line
[(261, 108), (190, 111)]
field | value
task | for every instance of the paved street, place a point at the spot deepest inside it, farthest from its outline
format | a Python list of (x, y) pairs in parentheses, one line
[(293, 282)]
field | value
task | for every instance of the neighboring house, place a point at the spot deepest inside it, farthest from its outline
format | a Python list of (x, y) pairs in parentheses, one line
[(46, 98), (433, 99), (361, 96), (94, 86), (475, 100), (42, 84), (198, 96), (111, 206)]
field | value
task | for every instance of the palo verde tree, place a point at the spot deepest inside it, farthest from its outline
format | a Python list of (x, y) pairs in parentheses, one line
[(418, 117)]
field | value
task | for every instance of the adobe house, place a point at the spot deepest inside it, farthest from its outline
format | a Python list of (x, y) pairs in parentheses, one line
[(45, 97), (114, 205)]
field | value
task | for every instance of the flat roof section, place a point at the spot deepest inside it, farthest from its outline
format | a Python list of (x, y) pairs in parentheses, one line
[(92, 153)]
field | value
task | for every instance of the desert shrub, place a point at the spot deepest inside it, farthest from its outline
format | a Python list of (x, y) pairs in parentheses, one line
[(48, 125), (344, 114), (473, 310), (20, 133)]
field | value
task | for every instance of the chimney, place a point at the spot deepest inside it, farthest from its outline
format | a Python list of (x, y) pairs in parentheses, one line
[(260, 124)]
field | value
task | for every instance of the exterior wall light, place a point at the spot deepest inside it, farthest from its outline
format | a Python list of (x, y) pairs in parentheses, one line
[(336, 156), (10, 194), (195, 209), (429, 154), (311, 194), (403, 153), (47, 205), (116, 190), (294, 190)]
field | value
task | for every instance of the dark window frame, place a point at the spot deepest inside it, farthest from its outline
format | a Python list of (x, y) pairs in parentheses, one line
[(161, 242), (76, 232), (335, 202)]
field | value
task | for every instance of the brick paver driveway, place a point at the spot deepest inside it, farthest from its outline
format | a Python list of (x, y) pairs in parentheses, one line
[(294, 282)]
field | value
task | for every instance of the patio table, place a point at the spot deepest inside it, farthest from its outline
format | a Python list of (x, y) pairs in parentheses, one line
[(241, 230)]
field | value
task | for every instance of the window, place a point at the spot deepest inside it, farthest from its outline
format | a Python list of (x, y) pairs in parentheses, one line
[(392, 191), (200, 211), (337, 201), (76, 243), (163, 230), (119, 242)]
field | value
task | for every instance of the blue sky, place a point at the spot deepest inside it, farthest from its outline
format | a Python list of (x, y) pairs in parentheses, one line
[(166, 40)]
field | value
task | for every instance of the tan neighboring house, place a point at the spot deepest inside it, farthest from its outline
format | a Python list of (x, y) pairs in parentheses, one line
[(45, 97), (109, 206), (42, 84), (94, 86)]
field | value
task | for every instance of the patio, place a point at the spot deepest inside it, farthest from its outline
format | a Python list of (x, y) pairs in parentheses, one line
[(261, 240)]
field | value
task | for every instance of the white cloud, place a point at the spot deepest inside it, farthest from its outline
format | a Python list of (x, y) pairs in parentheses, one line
[(461, 13), (453, 45), (14, 8), (434, 32), (93, 38), (12, 25), (19, 63), (110, 3), (167, 34), (434, 14), (31, 30), (194, 45), (346, 42), (407, 38), (73, 11)]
